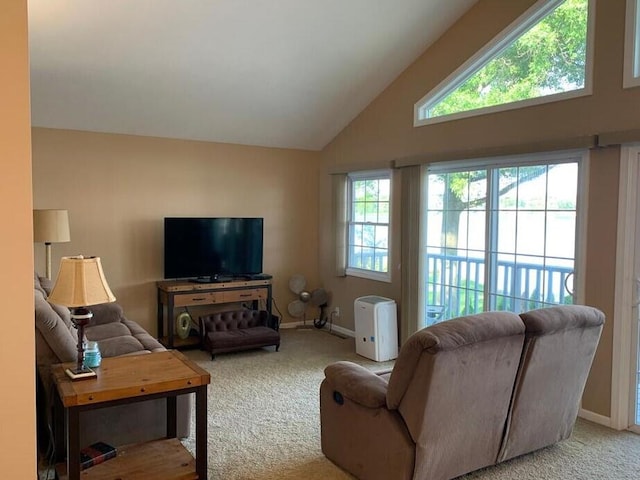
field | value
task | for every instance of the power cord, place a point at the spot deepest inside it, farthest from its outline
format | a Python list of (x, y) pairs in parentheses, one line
[(275, 305)]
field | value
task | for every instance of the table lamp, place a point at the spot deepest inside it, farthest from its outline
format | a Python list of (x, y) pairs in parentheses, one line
[(50, 226), (80, 284)]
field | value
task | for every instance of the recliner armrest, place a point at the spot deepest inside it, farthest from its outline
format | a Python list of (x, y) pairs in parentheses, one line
[(357, 384)]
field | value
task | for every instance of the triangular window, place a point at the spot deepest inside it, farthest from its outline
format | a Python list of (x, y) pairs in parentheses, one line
[(545, 53)]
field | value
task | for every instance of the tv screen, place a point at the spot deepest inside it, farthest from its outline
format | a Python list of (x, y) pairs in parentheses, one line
[(212, 247)]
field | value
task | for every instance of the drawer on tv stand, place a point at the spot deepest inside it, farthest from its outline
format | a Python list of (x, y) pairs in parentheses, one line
[(244, 295), (204, 298)]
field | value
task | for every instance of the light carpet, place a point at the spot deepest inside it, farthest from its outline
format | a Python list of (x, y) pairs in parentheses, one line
[(264, 421)]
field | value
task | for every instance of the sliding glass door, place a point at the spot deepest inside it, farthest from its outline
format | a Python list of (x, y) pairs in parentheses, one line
[(499, 237), (634, 414)]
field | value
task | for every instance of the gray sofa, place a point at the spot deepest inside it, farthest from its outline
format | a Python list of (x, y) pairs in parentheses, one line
[(56, 342), (463, 394)]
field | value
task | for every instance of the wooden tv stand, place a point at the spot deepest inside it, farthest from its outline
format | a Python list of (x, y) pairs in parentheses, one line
[(183, 293)]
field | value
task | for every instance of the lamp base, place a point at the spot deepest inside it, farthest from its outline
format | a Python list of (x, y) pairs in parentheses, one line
[(80, 374)]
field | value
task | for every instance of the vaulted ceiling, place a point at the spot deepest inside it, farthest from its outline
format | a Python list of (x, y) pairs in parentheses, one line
[(278, 73)]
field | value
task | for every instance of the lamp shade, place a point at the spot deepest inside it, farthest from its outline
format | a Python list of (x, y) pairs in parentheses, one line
[(51, 226), (80, 283)]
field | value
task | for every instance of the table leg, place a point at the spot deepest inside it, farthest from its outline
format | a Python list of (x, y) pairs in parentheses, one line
[(170, 321), (160, 315), (172, 414), (73, 444), (201, 432)]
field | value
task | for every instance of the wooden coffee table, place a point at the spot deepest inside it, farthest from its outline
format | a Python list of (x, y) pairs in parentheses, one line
[(130, 379)]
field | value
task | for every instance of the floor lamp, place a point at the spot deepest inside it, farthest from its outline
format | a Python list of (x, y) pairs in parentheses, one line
[(80, 284), (50, 226)]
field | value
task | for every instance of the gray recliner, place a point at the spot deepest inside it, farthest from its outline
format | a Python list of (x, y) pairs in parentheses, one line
[(464, 394), (560, 343), (441, 412)]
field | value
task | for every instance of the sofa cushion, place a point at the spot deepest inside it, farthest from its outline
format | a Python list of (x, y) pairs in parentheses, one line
[(106, 313), (101, 332), (37, 284), (120, 345), (59, 336)]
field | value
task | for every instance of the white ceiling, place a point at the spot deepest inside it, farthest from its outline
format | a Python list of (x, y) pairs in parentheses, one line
[(279, 73)]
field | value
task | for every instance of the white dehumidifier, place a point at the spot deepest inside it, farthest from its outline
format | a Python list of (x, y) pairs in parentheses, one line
[(376, 328)]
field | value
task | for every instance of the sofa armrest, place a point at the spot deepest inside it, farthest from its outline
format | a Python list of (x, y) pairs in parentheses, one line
[(106, 313), (357, 384)]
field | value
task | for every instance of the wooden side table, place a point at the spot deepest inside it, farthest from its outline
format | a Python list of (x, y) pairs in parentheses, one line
[(130, 379)]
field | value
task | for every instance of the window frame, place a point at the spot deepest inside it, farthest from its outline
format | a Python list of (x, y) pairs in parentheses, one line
[(491, 50), (580, 156), (631, 76), (362, 272)]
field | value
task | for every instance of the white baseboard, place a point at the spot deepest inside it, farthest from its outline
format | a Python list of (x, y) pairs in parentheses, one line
[(290, 324), (595, 417), (340, 330), (335, 328)]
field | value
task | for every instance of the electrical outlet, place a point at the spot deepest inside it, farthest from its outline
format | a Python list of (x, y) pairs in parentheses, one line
[(336, 311)]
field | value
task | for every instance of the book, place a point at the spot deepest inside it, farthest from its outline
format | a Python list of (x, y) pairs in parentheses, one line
[(80, 375), (95, 454)]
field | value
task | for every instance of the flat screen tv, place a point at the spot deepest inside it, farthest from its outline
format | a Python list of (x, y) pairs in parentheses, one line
[(212, 248)]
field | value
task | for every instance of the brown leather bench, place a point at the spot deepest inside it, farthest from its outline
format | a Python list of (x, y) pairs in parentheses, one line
[(237, 330)]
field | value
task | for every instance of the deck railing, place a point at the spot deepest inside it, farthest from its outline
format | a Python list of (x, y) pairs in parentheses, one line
[(455, 286)]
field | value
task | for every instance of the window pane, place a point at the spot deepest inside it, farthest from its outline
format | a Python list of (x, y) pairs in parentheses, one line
[(358, 190), (381, 260), (371, 190), (561, 231), (562, 190), (368, 235), (532, 188), (359, 211), (357, 234), (531, 233), (382, 236), (435, 188), (384, 190), (477, 223), (434, 229), (508, 195), (355, 257), (506, 224), (383, 212), (371, 212), (367, 258)]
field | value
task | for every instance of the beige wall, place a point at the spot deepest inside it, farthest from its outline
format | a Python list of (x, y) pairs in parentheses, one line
[(17, 402), (119, 188), (384, 132)]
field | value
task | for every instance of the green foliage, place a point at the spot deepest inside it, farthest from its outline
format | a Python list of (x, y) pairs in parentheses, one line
[(535, 299), (549, 58)]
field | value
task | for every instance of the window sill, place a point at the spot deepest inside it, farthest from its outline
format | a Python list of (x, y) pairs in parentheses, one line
[(369, 275)]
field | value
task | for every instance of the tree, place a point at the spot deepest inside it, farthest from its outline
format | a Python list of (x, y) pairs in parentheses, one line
[(457, 195), (549, 58)]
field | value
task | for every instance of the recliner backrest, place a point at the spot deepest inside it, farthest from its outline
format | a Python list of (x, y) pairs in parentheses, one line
[(559, 348), (452, 384)]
